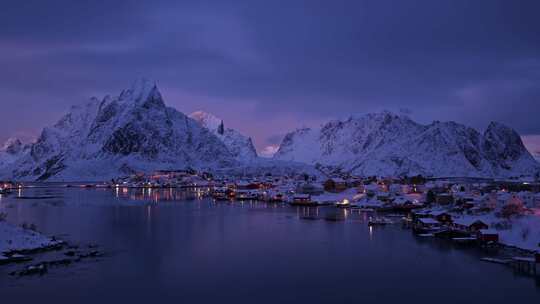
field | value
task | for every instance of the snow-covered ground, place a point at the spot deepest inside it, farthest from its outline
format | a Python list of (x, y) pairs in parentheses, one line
[(525, 233), (522, 231), (16, 238)]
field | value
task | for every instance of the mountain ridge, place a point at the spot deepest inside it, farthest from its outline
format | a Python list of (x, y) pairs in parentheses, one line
[(389, 144), (137, 132), (132, 132)]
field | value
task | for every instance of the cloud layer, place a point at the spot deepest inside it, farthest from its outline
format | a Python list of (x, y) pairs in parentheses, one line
[(267, 67)]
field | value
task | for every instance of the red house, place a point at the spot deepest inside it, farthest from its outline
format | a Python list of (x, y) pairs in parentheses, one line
[(487, 235), (469, 224)]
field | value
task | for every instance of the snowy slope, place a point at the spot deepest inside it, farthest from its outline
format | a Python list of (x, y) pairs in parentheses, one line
[(389, 144), (132, 132), (239, 145), (12, 150)]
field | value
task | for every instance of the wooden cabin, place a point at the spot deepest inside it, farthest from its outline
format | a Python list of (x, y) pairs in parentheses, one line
[(310, 188), (444, 199), (487, 235), (442, 217), (425, 225), (420, 214), (335, 185), (469, 225)]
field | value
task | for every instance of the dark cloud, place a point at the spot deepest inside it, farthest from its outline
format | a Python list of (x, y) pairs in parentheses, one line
[(269, 66)]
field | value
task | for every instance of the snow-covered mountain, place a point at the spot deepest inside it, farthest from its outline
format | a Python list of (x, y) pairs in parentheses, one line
[(239, 145), (389, 144), (11, 151), (101, 139)]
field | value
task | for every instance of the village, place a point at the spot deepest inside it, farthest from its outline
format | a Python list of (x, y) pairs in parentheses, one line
[(474, 212)]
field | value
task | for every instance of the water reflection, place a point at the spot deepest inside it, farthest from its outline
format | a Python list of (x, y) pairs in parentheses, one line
[(160, 194), (181, 244)]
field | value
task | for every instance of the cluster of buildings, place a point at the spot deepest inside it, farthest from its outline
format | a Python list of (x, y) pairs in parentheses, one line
[(8, 186), (383, 194), (454, 207)]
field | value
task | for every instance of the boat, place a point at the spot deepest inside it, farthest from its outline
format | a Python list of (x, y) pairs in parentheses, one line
[(426, 226), (221, 194), (379, 221), (366, 209), (303, 200), (496, 260), (426, 235), (246, 195), (343, 204)]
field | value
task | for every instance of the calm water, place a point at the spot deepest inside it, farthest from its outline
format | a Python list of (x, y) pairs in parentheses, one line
[(171, 246)]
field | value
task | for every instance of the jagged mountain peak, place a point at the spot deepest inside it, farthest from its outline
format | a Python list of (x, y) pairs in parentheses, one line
[(141, 90), (239, 145), (388, 144), (207, 120), (132, 132), (504, 143)]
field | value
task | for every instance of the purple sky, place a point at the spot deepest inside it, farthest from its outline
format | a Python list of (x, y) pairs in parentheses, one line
[(267, 67)]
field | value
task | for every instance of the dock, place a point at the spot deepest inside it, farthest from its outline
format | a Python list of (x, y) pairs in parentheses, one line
[(496, 260), (526, 265)]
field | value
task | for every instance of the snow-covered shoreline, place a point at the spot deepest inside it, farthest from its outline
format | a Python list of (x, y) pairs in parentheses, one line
[(17, 239)]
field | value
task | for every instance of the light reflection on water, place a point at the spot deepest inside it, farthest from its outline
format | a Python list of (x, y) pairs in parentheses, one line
[(177, 245)]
